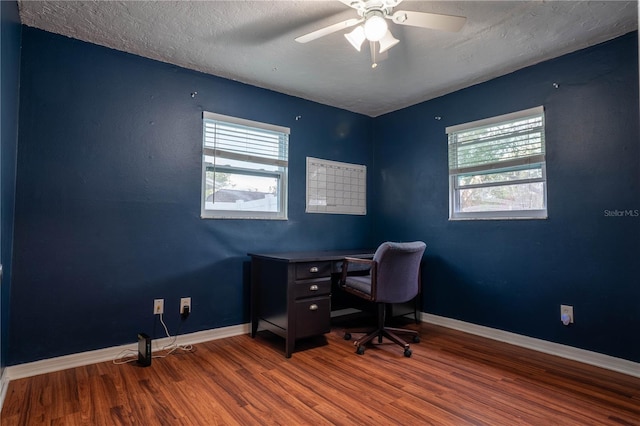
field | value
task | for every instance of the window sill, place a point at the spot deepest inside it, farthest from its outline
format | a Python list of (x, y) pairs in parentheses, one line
[(505, 215)]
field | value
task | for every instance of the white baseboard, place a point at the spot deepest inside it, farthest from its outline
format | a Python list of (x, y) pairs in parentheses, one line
[(108, 354), (592, 358)]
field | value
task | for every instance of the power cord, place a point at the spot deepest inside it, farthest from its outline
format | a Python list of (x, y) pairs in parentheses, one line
[(172, 347), (126, 356)]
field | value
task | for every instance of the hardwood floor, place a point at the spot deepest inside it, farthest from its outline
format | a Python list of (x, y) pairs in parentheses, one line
[(452, 379)]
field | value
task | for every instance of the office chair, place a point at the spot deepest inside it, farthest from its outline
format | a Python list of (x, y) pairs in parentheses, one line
[(394, 277)]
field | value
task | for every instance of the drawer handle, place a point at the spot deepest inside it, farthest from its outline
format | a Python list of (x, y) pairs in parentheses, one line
[(313, 269), (313, 288), (313, 307)]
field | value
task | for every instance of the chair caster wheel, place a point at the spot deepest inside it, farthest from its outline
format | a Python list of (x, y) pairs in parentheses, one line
[(360, 350), (347, 336), (407, 352), (416, 339)]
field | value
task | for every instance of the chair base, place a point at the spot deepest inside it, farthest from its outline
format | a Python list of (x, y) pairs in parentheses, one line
[(381, 332)]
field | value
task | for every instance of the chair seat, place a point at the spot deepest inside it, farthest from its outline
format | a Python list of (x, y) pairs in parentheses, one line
[(362, 284)]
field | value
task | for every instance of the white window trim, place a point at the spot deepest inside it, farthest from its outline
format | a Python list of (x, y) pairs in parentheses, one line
[(245, 122), (282, 214), (499, 214)]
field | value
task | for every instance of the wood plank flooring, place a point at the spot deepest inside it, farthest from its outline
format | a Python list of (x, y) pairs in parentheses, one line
[(452, 379)]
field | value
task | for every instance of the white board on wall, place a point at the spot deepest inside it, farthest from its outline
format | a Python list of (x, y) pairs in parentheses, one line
[(336, 188)]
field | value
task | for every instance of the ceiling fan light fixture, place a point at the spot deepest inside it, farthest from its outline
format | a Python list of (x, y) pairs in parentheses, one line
[(387, 42), (375, 27), (356, 37)]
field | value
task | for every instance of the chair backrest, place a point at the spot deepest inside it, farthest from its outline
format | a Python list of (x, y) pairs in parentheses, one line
[(398, 271)]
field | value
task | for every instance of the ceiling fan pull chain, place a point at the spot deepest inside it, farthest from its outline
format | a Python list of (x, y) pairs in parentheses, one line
[(372, 46)]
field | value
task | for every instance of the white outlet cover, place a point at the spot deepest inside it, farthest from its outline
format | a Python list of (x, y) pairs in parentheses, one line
[(185, 301), (158, 306), (566, 310)]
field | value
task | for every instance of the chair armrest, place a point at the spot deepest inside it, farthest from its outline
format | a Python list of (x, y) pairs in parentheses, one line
[(347, 260), (358, 260)]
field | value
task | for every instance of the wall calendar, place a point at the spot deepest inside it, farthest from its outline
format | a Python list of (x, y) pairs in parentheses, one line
[(335, 187)]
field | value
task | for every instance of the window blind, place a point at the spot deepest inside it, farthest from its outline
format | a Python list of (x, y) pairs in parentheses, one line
[(507, 141), (244, 140)]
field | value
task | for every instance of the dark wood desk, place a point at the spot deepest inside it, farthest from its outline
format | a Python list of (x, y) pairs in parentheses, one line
[(291, 292)]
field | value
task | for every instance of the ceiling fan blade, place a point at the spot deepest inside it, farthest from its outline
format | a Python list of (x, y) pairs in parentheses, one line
[(328, 30), (429, 20), (352, 3)]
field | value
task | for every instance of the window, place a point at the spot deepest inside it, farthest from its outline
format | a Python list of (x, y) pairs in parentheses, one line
[(497, 167), (244, 168)]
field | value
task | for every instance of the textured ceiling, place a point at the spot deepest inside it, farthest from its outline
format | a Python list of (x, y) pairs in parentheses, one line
[(253, 42)]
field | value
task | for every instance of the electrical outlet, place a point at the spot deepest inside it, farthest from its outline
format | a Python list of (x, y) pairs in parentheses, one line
[(158, 306), (185, 302), (566, 314)]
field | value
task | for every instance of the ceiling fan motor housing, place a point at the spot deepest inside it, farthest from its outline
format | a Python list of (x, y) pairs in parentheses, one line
[(367, 8)]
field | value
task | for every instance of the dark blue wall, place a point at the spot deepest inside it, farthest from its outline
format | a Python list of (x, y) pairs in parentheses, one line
[(108, 190), (513, 275), (108, 197), (10, 29)]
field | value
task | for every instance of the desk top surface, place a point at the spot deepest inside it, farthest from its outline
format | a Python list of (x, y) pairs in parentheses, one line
[(314, 256)]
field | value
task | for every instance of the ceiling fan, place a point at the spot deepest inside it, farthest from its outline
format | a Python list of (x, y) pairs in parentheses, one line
[(374, 28)]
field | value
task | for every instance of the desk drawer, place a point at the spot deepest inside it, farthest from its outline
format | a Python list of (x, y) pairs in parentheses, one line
[(312, 270), (313, 316), (311, 288)]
